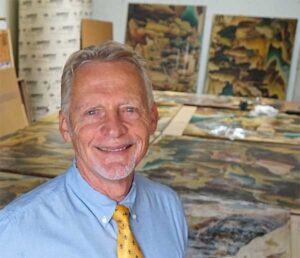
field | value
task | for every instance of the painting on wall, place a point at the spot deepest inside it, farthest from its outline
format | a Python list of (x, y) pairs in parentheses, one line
[(169, 38), (250, 56)]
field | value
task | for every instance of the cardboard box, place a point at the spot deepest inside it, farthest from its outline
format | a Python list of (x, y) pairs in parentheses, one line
[(12, 112), (94, 32), (13, 116)]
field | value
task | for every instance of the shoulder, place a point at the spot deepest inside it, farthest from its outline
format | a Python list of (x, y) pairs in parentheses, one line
[(42, 195), (23, 214), (168, 208), (157, 192), (152, 186)]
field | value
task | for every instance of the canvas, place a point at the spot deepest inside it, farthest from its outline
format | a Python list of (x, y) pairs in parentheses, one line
[(169, 38), (222, 101), (250, 56), (239, 125), (198, 100), (227, 170), (13, 185), (237, 197), (37, 150), (236, 230)]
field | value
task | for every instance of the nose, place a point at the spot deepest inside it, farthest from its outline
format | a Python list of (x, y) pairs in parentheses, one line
[(113, 126)]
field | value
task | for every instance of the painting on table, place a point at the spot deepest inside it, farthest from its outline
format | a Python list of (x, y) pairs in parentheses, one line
[(236, 230), (197, 100), (169, 38), (229, 102), (37, 150), (250, 56), (239, 125), (227, 170), (13, 185), (237, 196)]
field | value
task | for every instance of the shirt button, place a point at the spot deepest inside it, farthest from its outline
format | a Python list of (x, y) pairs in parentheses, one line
[(104, 220), (133, 216)]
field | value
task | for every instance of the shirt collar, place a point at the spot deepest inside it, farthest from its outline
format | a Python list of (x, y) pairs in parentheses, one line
[(99, 204)]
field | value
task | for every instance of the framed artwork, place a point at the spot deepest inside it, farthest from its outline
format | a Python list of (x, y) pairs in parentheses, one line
[(250, 56), (169, 38)]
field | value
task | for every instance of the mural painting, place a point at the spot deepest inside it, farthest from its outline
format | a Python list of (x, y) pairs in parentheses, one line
[(250, 56), (169, 38)]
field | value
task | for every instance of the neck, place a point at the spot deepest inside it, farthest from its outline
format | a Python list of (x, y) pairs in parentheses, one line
[(114, 189)]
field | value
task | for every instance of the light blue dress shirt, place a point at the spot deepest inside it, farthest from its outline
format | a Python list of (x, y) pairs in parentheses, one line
[(66, 218)]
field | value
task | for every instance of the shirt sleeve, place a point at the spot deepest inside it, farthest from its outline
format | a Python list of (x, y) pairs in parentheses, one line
[(10, 244)]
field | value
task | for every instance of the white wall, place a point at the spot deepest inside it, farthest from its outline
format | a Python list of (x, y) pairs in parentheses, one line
[(116, 11)]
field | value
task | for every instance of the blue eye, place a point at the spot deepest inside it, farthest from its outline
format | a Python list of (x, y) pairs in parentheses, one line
[(92, 112), (130, 109), (129, 112)]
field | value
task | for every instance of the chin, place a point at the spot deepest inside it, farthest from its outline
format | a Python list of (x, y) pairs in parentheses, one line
[(114, 172)]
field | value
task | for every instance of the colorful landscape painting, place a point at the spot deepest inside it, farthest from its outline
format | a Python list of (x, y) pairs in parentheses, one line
[(239, 125), (13, 185), (237, 196), (169, 38), (37, 150), (198, 100), (236, 230), (250, 56), (227, 170)]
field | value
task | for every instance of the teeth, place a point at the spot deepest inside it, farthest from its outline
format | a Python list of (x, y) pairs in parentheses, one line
[(112, 150)]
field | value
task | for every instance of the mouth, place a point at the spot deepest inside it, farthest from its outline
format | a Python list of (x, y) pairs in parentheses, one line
[(114, 149)]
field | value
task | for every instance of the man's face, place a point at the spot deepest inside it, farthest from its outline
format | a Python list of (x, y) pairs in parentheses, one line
[(109, 119)]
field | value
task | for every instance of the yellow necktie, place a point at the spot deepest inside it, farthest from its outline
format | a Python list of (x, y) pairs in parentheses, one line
[(127, 245)]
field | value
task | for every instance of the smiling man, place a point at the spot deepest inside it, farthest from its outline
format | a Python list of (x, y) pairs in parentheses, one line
[(100, 207)]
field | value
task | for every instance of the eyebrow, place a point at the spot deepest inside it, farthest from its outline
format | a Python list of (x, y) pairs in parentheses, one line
[(127, 101)]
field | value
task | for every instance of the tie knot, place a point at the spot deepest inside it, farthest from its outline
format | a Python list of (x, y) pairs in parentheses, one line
[(121, 215)]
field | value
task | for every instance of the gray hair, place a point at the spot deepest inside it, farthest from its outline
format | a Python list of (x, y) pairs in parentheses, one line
[(107, 52)]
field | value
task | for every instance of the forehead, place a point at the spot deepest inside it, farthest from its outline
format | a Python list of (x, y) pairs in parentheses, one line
[(118, 77), (98, 72), (107, 67)]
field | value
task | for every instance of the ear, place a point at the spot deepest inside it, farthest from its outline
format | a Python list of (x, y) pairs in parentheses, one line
[(64, 127), (154, 118)]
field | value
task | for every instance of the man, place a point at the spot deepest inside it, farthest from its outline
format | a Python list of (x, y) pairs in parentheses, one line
[(107, 113)]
